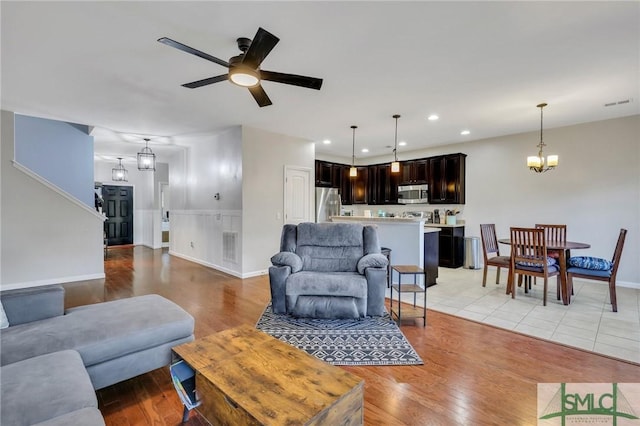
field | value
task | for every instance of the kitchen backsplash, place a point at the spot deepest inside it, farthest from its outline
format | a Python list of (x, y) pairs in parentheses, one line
[(398, 210)]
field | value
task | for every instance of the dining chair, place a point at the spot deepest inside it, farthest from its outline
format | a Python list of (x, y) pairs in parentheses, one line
[(555, 233), (491, 252), (529, 258), (593, 268)]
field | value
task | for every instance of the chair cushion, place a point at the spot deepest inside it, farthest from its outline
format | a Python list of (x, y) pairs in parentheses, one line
[(330, 247), (590, 272), (593, 263), (550, 262), (349, 284), (499, 261), (551, 269)]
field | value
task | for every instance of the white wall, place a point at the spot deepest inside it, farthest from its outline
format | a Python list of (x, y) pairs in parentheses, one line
[(245, 166), (211, 164), (45, 237), (595, 189), (264, 156)]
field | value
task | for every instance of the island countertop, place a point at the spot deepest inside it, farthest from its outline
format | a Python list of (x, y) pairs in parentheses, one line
[(379, 219)]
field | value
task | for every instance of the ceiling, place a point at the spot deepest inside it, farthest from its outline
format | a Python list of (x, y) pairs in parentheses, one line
[(480, 66)]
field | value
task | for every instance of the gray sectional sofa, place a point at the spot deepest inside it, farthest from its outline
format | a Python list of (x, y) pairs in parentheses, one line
[(52, 360), (328, 270)]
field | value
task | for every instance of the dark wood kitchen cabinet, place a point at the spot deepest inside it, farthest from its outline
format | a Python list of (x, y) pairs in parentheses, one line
[(447, 179), (451, 247), (431, 257), (323, 173), (382, 184), (359, 186), (414, 172)]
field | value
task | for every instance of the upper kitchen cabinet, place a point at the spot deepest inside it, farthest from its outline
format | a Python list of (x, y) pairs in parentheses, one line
[(346, 185), (323, 173), (446, 179), (329, 175), (359, 188), (382, 184), (414, 172)]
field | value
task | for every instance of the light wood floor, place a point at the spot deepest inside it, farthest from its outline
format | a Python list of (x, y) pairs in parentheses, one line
[(473, 374)]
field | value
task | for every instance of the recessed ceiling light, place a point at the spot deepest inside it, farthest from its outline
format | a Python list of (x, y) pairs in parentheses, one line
[(365, 149), (402, 143), (433, 117), (465, 132), (326, 141)]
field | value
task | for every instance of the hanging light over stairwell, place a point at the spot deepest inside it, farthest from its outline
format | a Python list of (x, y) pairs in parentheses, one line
[(146, 158), (119, 173)]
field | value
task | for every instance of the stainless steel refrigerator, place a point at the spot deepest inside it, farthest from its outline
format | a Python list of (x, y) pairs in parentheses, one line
[(328, 204)]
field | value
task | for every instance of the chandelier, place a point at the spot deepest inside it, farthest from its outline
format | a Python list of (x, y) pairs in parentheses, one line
[(537, 163), (353, 171), (146, 158), (395, 165), (119, 173)]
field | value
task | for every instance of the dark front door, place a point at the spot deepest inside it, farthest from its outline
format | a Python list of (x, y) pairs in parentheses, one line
[(118, 206)]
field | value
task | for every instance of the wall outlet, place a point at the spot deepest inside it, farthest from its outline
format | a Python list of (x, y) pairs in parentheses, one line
[(191, 244), (278, 215)]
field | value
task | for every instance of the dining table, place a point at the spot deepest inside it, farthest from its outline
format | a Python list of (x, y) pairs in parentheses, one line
[(563, 248)]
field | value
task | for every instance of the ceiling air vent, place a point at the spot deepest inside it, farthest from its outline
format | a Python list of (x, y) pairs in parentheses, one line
[(622, 102)]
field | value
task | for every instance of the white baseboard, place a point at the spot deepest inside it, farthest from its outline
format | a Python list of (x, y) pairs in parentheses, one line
[(255, 273), (220, 268), (207, 264), (60, 280)]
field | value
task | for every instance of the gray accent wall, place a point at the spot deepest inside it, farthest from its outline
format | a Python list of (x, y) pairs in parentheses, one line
[(60, 152)]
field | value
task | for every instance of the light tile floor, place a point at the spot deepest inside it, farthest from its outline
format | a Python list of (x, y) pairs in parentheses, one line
[(586, 323)]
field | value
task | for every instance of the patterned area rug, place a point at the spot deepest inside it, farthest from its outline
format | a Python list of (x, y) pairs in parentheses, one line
[(368, 341)]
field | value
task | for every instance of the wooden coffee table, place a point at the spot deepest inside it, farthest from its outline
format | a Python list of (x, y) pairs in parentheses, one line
[(246, 377)]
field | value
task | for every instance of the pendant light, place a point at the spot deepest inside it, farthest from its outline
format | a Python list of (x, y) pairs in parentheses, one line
[(119, 173), (537, 163), (353, 171), (395, 165), (146, 158)]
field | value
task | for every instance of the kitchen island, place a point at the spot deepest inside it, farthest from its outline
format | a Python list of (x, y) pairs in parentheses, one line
[(411, 243)]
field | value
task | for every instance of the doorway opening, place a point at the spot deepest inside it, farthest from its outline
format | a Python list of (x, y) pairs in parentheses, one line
[(164, 208)]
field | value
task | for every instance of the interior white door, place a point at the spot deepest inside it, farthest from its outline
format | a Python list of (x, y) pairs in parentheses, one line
[(298, 187)]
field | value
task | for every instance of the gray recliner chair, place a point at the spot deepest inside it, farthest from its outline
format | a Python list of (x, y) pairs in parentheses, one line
[(328, 270)]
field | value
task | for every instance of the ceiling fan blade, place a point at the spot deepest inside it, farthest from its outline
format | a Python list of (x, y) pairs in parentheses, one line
[(191, 50), (260, 95), (296, 80), (206, 81), (263, 42)]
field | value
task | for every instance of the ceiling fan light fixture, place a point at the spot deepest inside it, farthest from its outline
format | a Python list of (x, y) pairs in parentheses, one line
[(243, 76)]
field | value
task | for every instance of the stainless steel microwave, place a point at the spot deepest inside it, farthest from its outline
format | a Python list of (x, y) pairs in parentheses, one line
[(413, 194)]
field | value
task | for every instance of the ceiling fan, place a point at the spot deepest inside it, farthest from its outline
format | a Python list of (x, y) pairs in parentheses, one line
[(244, 69)]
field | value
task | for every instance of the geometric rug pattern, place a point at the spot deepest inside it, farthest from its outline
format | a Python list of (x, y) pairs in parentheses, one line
[(366, 341)]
